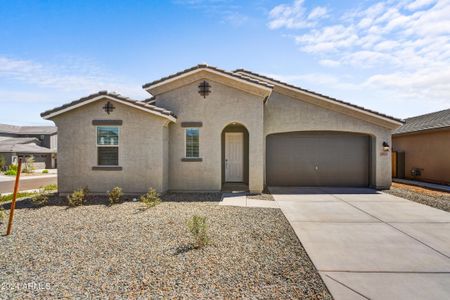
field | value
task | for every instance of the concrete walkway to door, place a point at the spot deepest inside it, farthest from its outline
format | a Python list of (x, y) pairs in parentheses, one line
[(371, 245)]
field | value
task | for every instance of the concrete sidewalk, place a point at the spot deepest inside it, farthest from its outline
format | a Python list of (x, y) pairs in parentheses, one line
[(241, 199), (371, 245)]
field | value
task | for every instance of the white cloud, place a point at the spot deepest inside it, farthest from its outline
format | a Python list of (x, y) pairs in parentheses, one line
[(318, 12), (400, 47), (329, 62), (419, 3), (70, 74), (228, 11), (295, 15)]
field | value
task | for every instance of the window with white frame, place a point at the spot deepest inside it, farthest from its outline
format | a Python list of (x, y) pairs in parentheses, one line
[(192, 143), (107, 146)]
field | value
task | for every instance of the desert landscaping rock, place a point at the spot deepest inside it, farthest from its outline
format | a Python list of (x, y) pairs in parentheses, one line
[(261, 196), (440, 200), (122, 251)]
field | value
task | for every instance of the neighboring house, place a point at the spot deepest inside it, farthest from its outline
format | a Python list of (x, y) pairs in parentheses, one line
[(25, 141), (205, 127), (423, 148)]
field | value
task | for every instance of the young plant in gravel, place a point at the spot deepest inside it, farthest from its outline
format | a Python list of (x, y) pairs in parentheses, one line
[(115, 195), (151, 198), (41, 198), (199, 230), (50, 188), (77, 198)]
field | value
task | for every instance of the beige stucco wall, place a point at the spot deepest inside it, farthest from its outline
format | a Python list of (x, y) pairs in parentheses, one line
[(429, 151), (142, 143), (285, 114), (223, 106)]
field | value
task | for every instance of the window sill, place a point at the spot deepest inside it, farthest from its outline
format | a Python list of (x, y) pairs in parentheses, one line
[(191, 159), (106, 168)]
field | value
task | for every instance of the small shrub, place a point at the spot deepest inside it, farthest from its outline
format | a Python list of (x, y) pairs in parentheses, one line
[(199, 230), (50, 188), (40, 198), (28, 167), (12, 170), (115, 195), (45, 171), (151, 198), (77, 198), (10, 173)]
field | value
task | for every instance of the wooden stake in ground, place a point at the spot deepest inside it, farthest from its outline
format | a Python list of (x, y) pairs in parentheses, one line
[(13, 203)]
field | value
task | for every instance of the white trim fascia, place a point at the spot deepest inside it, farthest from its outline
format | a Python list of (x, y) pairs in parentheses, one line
[(268, 89), (171, 118)]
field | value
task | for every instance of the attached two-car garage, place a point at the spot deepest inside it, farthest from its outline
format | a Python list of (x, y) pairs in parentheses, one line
[(321, 158)]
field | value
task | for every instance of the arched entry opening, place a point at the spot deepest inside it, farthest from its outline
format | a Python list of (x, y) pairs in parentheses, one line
[(235, 157)]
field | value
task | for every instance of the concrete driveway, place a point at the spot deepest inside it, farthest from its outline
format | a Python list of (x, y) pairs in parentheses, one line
[(371, 245)]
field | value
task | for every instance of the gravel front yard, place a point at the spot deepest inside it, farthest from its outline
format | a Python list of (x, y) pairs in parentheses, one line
[(123, 251), (440, 200)]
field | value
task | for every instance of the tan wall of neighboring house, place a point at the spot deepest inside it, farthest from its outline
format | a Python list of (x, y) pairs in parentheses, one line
[(429, 151), (142, 143), (222, 107), (285, 114)]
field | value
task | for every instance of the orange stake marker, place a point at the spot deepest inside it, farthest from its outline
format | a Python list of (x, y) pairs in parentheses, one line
[(13, 203)]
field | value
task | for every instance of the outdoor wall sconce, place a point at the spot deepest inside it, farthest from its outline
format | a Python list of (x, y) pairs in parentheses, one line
[(386, 146)]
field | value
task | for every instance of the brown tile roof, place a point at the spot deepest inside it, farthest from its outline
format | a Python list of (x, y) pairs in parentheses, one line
[(250, 73), (435, 120), (137, 103), (206, 67)]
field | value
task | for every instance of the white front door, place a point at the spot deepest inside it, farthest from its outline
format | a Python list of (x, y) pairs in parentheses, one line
[(234, 156)]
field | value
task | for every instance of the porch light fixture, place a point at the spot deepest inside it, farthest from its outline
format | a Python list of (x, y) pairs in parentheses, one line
[(204, 89), (386, 146)]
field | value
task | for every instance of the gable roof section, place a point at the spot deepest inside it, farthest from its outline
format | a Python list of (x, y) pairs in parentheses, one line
[(435, 120), (34, 130), (394, 121), (251, 85), (112, 96)]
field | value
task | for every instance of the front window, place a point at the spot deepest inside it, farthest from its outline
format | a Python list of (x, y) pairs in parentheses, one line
[(192, 143), (107, 146)]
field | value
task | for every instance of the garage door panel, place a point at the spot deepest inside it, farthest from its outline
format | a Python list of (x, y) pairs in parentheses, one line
[(317, 159)]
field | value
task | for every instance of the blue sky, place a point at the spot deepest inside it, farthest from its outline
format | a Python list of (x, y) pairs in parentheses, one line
[(390, 56)]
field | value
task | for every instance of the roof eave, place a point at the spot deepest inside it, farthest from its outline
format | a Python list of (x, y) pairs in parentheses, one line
[(50, 115), (395, 122), (150, 88)]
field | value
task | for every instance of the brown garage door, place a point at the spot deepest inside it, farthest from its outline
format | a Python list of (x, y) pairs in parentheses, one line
[(317, 159)]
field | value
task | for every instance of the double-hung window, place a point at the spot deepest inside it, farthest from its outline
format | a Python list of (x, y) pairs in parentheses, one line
[(192, 143), (107, 146)]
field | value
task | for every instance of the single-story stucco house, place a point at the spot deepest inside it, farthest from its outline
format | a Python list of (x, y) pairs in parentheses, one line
[(422, 148), (205, 127)]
